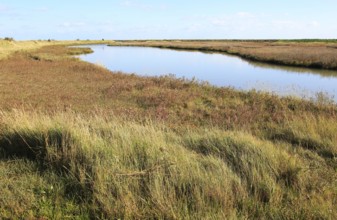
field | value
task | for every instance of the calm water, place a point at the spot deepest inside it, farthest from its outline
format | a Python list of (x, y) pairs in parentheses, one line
[(217, 69)]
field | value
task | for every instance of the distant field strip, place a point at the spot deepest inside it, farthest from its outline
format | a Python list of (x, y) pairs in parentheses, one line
[(8, 47)]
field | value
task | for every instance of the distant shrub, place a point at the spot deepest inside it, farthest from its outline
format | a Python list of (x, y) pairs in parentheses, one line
[(9, 38)]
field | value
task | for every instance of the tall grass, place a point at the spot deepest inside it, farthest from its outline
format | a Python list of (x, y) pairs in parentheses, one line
[(68, 164)]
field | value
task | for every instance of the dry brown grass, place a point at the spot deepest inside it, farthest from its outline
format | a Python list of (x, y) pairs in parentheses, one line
[(47, 80), (305, 54)]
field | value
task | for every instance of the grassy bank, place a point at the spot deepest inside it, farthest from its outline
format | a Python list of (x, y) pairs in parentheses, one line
[(69, 165), (78, 141), (304, 53)]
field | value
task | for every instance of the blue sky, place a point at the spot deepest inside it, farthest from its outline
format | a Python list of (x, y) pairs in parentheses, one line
[(150, 19)]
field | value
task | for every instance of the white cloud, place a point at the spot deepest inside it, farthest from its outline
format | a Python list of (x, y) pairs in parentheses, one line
[(13, 13), (133, 4), (238, 19), (315, 24), (194, 27), (220, 21), (72, 24), (142, 6), (245, 15), (285, 24), (294, 25), (41, 9), (127, 3), (4, 8), (254, 25)]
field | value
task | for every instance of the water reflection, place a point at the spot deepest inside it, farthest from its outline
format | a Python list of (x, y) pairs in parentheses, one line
[(217, 69), (291, 69)]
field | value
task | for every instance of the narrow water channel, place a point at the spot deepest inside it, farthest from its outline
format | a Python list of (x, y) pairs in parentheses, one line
[(217, 69)]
